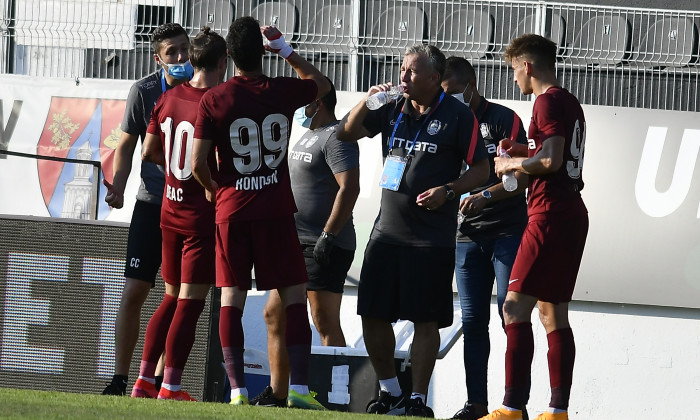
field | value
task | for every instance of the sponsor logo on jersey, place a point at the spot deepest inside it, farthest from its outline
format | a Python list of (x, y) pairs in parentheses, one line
[(434, 127), (78, 128), (250, 183), (531, 144), (303, 156), (420, 146)]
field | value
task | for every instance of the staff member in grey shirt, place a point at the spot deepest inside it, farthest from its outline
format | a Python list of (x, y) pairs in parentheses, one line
[(143, 253), (325, 177)]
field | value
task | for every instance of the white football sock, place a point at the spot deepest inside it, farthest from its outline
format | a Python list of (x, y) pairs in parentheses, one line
[(391, 386)]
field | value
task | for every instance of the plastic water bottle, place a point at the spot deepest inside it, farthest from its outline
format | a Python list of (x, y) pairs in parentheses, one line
[(510, 182), (380, 99)]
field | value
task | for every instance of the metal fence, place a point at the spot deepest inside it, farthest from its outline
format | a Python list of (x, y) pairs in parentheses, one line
[(614, 56)]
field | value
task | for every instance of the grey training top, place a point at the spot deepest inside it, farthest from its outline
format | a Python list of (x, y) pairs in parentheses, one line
[(142, 98), (313, 162)]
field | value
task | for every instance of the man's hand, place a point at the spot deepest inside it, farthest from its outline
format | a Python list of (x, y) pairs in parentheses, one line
[(276, 43), (114, 198), (433, 198), (322, 250), (512, 147), (211, 194), (382, 87), (472, 205)]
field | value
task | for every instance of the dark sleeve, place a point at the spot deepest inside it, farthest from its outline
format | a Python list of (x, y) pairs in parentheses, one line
[(153, 126), (341, 156), (133, 122), (375, 120)]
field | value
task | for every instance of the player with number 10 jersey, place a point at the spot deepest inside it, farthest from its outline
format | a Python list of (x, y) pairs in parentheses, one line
[(185, 208), (249, 122)]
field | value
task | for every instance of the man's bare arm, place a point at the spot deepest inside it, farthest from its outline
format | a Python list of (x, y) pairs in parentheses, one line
[(200, 167), (349, 183), (152, 150), (123, 156)]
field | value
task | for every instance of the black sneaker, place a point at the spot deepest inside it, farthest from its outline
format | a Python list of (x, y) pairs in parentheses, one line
[(386, 404), (268, 399), (115, 389), (416, 407), (471, 412)]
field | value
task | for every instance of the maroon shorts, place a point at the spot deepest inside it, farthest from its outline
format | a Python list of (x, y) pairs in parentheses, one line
[(272, 246), (187, 258), (549, 256)]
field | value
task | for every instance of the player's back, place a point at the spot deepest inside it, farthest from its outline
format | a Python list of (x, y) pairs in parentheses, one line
[(185, 207), (249, 121)]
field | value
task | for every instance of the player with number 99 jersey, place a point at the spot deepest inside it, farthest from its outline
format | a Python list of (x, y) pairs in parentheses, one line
[(185, 208), (248, 120), (557, 113)]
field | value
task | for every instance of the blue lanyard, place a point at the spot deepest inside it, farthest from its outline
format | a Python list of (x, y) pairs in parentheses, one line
[(398, 120), (162, 80)]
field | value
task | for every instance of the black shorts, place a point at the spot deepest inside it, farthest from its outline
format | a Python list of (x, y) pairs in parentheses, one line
[(406, 282), (331, 277), (144, 248)]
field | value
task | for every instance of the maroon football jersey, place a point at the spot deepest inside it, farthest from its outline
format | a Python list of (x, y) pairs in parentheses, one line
[(249, 121), (557, 113), (185, 207)]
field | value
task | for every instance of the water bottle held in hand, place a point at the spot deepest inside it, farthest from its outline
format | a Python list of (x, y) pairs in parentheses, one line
[(380, 99), (510, 182)]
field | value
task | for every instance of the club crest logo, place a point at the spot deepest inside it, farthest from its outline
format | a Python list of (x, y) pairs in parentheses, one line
[(434, 127), (485, 131), (308, 142), (84, 129)]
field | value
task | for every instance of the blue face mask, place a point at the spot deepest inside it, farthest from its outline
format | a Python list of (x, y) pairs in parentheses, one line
[(301, 118), (179, 71)]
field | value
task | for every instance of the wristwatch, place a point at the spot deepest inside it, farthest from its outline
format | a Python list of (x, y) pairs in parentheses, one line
[(449, 193), (486, 194)]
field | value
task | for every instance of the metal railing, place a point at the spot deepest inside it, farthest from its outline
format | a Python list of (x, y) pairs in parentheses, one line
[(626, 57), (83, 192)]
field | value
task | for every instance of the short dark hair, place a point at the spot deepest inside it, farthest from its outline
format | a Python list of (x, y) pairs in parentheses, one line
[(330, 99), (206, 49), (245, 43), (534, 48), (165, 31), (435, 56), (461, 69)]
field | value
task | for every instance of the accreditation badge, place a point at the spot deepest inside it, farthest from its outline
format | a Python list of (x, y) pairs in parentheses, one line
[(394, 167)]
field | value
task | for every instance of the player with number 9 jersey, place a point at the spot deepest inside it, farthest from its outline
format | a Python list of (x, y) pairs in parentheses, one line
[(248, 120), (185, 208), (557, 113)]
